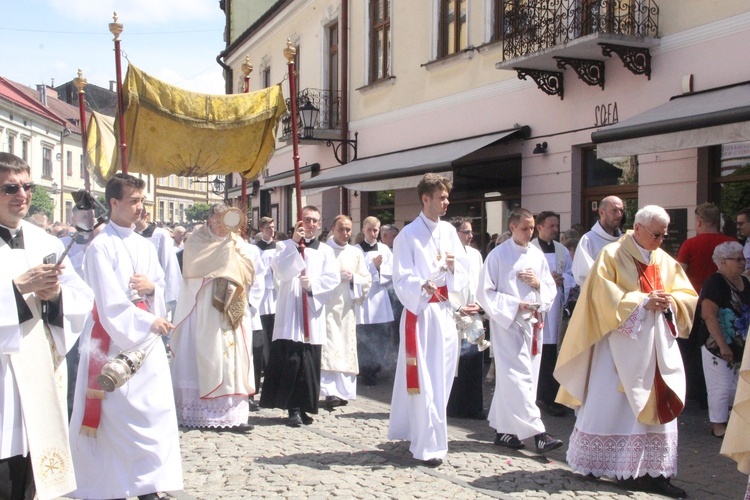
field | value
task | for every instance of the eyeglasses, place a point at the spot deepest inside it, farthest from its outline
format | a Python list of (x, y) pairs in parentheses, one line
[(736, 259), (656, 236), (11, 189), (311, 220), (466, 232)]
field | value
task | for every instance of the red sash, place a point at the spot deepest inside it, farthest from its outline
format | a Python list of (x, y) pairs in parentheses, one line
[(535, 331), (411, 345), (668, 405), (98, 350)]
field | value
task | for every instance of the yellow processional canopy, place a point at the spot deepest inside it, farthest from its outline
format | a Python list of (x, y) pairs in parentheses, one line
[(169, 130)]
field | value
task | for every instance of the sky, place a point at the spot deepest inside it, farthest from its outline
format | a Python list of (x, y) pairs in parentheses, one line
[(176, 41)]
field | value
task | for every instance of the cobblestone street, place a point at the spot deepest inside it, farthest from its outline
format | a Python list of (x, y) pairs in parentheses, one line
[(346, 454)]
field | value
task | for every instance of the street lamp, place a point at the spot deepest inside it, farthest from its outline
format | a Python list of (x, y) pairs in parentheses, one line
[(308, 113), (217, 185)]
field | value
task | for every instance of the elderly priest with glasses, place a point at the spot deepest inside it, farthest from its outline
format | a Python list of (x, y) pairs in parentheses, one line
[(620, 365), (43, 308)]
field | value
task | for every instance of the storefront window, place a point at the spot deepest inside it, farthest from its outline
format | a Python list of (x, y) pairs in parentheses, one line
[(382, 206), (730, 181), (604, 177)]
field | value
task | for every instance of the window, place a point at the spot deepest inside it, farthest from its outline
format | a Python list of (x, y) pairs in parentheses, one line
[(69, 162), (68, 211), (46, 162), (333, 78), (729, 181), (452, 27), (161, 210), (497, 20), (12, 143), (181, 182), (265, 77), (182, 212), (25, 150), (171, 211), (171, 180), (82, 169), (380, 39), (603, 177)]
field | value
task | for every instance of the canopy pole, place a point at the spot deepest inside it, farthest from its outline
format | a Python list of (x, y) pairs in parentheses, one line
[(80, 83), (247, 68), (289, 53), (116, 28)]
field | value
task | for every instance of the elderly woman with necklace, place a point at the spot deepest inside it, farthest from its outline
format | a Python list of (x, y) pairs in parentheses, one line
[(724, 300)]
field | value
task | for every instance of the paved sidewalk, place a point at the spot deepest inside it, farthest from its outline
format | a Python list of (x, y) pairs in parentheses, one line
[(346, 454)]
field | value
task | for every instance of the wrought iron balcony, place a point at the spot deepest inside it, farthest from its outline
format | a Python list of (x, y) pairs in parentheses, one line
[(529, 26), (327, 101)]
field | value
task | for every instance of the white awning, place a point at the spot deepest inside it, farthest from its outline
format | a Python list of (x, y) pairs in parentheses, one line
[(402, 169), (711, 117)]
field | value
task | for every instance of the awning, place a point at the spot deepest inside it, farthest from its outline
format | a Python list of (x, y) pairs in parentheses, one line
[(403, 169), (711, 117), (287, 178)]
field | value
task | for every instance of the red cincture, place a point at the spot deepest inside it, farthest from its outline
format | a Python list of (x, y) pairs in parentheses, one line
[(411, 344)]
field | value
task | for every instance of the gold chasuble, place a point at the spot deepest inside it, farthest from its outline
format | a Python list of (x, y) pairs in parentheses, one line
[(645, 353)]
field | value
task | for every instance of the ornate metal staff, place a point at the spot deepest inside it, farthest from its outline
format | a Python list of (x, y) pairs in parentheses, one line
[(116, 28), (247, 68), (289, 53)]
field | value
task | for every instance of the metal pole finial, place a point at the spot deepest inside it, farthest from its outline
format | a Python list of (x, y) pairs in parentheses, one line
[(80, 82), (247, 68), (289, 51), (115, 28)]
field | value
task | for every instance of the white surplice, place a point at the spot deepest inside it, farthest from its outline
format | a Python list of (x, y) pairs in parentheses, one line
[(164, 244), (588, 249), (377, 305), (268, 302), (418, 253), (339, 365), (136, 449), (500, 291), (33, 415), (321, 267), (558, 261)]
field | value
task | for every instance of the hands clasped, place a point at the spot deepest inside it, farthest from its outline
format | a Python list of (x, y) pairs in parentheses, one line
[(658, 300)]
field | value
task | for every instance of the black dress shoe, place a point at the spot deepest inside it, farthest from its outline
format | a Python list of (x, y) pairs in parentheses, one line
[(150, 496), (306, 419), (432, 462), (240, 429), (253, 405), (663, 486), (556, 410), (294, 419), (333, 402)]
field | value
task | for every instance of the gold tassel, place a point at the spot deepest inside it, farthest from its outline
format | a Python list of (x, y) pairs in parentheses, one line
[(94, 394), (88, 431)]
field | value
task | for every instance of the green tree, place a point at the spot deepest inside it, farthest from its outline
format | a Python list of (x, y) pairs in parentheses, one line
[(198, 212), (41, 203)]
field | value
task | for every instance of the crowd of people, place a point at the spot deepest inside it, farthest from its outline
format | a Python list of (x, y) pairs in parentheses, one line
[(603, 323)]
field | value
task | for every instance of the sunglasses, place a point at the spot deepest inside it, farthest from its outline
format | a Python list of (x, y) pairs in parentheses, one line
[(11, 189)]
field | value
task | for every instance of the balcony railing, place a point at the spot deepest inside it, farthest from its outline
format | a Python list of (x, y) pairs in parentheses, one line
[(530, 26), (327, 101)]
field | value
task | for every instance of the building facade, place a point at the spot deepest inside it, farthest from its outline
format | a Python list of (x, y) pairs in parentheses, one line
[(549, 105)]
